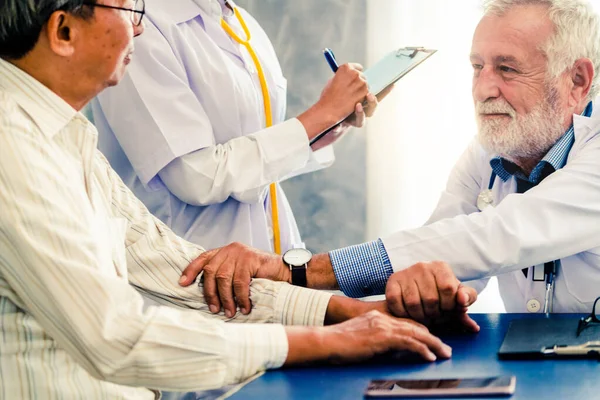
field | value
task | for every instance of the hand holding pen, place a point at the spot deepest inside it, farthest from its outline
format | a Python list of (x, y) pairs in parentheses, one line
[(330, 58), (347, 76), (357, 118)]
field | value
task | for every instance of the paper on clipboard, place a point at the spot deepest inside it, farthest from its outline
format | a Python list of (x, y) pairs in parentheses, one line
[(387, 71), (394, 66)]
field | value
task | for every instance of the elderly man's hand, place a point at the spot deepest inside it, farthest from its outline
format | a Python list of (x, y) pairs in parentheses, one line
[(429, 292), (227, 272), (361, 338)]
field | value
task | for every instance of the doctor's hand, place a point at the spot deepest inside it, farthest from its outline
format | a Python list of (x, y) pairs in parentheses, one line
[(227, 272), (430, 293)]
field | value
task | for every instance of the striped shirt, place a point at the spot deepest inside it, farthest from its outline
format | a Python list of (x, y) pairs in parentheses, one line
[(77, 249)]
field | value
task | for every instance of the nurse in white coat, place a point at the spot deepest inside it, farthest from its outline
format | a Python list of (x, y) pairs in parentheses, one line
[(185, 129)]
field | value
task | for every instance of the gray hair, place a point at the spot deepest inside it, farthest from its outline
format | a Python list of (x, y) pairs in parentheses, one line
[(21, 22), (576, 35)]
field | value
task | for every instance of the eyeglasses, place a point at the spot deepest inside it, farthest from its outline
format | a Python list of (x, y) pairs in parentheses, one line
[(137, 12), (584, 322)]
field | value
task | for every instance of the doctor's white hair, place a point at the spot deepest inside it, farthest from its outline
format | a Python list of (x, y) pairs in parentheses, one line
[(576, 35)]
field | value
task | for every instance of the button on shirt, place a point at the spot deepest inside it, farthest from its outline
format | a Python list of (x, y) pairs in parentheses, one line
[(556, 219), (75, 243)]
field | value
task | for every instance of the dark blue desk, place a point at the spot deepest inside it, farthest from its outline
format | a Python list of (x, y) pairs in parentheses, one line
[(473, 356)]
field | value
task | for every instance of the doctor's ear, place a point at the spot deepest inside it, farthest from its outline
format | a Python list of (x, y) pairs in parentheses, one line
[(581, 75)]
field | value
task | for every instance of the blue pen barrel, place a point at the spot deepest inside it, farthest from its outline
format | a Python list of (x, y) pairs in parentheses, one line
[(330, 58)]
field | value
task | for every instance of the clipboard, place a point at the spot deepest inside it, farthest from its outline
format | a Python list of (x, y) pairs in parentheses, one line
[(554, 337), (387, 71)]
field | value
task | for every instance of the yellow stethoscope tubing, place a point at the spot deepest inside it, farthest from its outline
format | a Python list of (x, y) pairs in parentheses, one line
[(268, 115)]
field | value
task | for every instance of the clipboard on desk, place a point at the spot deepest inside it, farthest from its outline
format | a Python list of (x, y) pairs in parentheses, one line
[(387, 71), (554, 337)]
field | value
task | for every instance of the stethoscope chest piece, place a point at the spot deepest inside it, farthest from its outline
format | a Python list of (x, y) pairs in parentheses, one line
[(485, 199)]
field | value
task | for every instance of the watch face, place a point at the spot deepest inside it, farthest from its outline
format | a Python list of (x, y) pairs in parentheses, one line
[(297, 257)]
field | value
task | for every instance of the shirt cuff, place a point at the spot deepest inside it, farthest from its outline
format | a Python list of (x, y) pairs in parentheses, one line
[(252, 348), (362, 270), (301, 306), (285, 146)]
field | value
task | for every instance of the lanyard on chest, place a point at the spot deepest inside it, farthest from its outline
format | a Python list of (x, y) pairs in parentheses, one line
[(268, 114)]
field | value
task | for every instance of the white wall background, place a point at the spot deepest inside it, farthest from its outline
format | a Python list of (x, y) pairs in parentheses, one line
[(421, 129), (424, 124)]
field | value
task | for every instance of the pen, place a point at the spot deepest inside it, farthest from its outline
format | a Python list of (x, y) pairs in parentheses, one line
[(330, 59), (589, 348), (550, 268)]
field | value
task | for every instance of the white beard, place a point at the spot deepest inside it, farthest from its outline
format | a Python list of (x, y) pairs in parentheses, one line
[(521, 136)]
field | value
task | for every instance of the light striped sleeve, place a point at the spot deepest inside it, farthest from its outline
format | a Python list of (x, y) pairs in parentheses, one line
[(53, 263), (156, 257)]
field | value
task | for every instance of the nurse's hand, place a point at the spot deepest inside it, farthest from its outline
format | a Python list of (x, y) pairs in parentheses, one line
[(356, 120), (428, 292), (339, 98), (344, 91), (227, 272), (361, 113)]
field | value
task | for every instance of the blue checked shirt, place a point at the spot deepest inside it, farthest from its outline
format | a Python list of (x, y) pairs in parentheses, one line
[(363, 270), (554, 160)]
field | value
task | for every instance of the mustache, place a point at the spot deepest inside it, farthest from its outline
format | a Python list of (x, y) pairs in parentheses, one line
[(495, 107)]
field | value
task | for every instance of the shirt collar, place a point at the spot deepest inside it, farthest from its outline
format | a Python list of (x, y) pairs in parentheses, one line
[(48, 110), (555, 159), (184, 10)]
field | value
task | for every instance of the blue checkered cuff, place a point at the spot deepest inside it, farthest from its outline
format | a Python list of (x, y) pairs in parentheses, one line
[(362, 270)]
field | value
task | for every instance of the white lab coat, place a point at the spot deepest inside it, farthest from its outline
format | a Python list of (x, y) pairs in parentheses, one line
[(185, 127), (558, 219)]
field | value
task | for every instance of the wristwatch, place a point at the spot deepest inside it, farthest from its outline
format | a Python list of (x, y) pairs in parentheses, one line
[(297, 260)]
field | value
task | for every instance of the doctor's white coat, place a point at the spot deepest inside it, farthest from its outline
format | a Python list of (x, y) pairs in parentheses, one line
[(558, 219)]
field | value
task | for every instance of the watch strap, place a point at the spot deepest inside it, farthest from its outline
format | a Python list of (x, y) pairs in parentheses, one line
[(298, 275)]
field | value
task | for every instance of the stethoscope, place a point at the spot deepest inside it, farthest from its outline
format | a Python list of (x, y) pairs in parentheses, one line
[(546, 272), (268, 112), (485, 198)]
